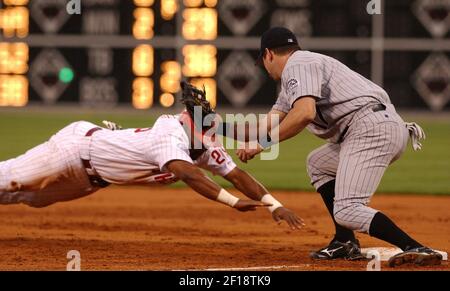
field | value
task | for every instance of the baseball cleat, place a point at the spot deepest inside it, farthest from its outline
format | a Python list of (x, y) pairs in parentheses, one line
[(339, 250), (422, 256)]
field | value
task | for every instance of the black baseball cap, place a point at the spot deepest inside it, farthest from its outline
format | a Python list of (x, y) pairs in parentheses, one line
[(273, 38)]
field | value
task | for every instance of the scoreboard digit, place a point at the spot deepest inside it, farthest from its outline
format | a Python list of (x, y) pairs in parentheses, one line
[(14, 56)]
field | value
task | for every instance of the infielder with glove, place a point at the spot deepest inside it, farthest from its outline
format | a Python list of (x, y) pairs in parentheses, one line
[(364, 133), (83, 158)]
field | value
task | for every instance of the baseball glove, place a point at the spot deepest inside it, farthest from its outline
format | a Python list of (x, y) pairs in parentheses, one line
[(193, 97)]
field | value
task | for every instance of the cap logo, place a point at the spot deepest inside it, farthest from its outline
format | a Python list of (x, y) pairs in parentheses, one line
[(290, 40)]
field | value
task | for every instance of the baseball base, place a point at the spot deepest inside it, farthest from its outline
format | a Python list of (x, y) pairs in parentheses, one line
[(386, 253)]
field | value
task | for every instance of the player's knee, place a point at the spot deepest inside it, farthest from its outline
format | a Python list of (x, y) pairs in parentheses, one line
[(13, 186), (316, 171), (10, 181)]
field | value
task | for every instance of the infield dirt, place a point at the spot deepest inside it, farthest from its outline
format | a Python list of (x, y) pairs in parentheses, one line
[(165, 229)]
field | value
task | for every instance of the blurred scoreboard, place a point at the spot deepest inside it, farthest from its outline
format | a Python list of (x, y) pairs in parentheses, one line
[(102, 53)]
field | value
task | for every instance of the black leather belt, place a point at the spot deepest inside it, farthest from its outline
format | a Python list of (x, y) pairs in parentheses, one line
[(379, 107), (95, 180), (344, 132), (375, 108)]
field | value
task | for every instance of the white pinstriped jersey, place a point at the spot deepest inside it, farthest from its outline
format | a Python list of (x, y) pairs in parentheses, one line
[(339, 91), (138, 156), (53, 171)]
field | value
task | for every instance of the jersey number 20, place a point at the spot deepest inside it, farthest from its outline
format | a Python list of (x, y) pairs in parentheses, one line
[(216, 155)]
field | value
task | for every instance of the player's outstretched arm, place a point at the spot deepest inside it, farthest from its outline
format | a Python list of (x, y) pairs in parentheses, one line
[(251, 188), (302, 113), (244, 135), (199, 182)]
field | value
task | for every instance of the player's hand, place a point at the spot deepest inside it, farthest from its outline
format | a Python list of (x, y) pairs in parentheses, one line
[(111, 125), (282, 213), (247, 154), (249, 205)]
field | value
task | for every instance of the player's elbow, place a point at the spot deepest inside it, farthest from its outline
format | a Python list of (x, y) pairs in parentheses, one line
[(309, 115), (305, 109), (184, 171)]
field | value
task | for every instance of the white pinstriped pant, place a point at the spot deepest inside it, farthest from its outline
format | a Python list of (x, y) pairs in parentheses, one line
[(48, 173), (358, 163)]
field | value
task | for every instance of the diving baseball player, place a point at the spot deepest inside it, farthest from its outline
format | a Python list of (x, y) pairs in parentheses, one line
[(83, 158), (364, 133)]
